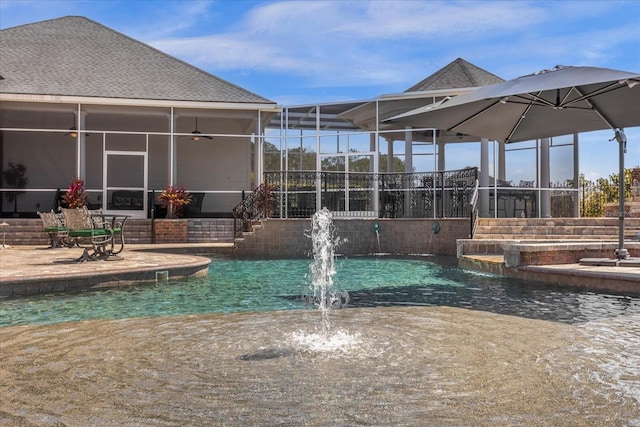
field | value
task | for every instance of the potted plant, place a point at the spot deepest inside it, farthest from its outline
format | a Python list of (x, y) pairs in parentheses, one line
[(76, 196), (14, 176), (173, 198)]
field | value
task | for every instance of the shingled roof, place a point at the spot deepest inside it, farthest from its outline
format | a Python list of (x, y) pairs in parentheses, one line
[(457, 74), (75, 56)]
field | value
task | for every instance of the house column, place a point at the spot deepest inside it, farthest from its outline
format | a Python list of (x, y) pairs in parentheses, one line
[(319, 165), (545, 180), (257, 140), (82, 146), (173, 150), (502, 168), (408, 167), (375, 148), (408, 150), (483, 193), (441, 157), (389, 155)]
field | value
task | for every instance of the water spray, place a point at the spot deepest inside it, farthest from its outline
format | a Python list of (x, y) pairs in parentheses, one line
[(323, 267)]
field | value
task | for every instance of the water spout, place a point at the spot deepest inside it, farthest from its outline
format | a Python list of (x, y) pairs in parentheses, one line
[(375, 227), (435, 229), (323, 267)]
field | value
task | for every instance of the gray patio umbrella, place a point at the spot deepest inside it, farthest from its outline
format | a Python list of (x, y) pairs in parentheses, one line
[(560, 101)]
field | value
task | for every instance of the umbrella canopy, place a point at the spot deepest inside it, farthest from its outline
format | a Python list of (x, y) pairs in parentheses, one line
[(554, 102)]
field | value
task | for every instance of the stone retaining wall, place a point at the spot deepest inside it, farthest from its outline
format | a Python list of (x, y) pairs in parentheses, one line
[(528, 254), (137, 231), (567, 278), (543, 252), (277, 238)]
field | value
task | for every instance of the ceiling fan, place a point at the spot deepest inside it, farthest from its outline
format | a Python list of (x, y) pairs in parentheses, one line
[(197, 134), (73, 132)]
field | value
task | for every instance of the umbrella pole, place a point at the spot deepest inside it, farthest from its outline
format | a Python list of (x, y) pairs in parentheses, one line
[(621, 252)]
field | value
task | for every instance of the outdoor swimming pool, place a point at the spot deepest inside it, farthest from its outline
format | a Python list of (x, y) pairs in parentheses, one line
[(266, 285), (424, 343)]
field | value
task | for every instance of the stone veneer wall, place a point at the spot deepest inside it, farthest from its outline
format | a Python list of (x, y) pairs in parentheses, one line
[(137, 231), (278, 238)]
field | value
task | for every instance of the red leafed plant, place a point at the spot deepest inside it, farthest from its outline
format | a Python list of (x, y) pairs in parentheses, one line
[(75, 197), (173, 198)]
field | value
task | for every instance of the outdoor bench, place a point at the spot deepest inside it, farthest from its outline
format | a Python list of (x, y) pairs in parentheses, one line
[(102, 232)]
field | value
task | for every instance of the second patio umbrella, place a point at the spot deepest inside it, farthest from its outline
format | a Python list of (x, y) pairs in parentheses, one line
[(554, 102)]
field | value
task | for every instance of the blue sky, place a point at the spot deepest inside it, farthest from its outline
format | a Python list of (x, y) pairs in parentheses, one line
[(299, 52)]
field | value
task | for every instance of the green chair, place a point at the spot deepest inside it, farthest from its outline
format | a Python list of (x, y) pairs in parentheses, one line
[(54, 225), (96, 231)]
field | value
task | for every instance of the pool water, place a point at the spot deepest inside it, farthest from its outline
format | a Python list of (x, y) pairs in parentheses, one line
[(268, 285)]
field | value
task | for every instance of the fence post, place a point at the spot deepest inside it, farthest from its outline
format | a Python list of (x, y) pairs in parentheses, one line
[(383, 197)]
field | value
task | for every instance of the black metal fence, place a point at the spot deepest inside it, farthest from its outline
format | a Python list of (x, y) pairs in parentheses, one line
[(594, 195), (400, 195), (294, 194)]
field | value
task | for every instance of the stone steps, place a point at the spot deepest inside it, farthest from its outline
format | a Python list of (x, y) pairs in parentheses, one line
[(549, 240), (555, 228), (550, 237)]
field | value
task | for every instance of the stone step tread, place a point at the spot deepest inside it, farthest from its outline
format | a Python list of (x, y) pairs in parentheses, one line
[(554, 226), (547, 223), (543, 231), (479, 236)]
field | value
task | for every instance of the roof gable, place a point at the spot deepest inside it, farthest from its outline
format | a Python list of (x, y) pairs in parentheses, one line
[(457, 74), (75, 56)]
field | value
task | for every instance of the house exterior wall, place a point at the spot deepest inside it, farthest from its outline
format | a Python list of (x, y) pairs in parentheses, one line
[(221, 164)]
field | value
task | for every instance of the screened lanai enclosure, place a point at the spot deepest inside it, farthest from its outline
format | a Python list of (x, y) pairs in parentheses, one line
[(126, 155), (343, 156), (310, 156)]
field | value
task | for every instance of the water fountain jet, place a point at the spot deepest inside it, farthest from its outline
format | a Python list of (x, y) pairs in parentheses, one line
[(323, 269)]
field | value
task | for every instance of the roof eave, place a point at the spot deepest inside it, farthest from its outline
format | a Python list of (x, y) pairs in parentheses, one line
[(130, 102), (426, 93)]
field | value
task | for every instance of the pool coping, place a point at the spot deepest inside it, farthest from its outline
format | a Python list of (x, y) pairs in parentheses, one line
[(31, 270), (596, 278), (26, 271)]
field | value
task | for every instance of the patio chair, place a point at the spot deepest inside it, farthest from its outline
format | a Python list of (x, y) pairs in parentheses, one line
[(54, 225), (194, 208), (96, 231)]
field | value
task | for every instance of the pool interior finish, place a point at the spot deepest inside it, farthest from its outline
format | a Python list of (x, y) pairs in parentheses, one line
[(234, 285), (425, 343)]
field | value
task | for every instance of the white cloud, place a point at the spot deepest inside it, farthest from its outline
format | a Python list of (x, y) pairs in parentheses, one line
[(396, 43), (434, 20), (169, 19)]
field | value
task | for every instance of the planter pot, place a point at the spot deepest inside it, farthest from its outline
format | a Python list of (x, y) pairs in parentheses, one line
[(170, 211), (171, 231)]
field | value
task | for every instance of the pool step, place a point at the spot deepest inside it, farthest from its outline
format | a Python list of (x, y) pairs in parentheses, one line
[(599, 229)]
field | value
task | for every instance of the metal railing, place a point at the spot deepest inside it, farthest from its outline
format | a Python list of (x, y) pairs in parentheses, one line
[(257, 205), (474, 210), (299, 194)]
